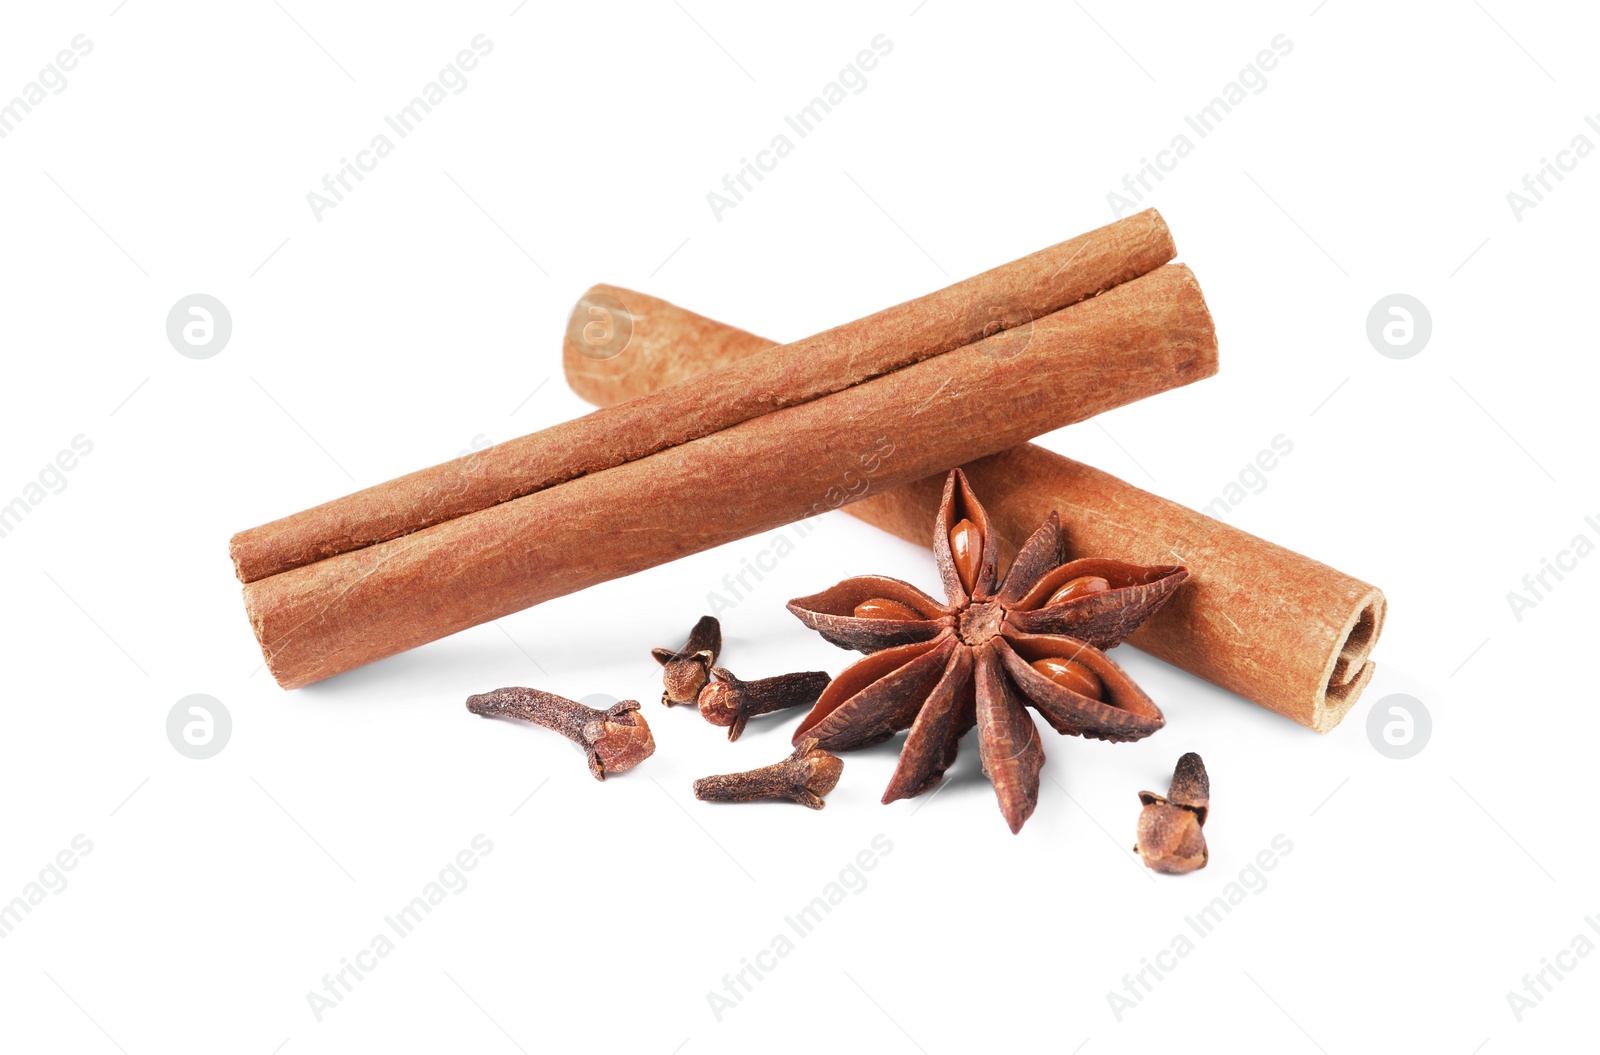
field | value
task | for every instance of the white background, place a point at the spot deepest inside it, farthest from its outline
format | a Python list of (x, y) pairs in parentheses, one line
[(423, 315)]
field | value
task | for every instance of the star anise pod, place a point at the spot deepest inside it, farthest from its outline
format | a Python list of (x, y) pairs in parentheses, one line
[(938, 669)]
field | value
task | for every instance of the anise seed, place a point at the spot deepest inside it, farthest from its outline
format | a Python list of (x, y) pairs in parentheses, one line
[(1071, 675), (1082, 586), (883, 608), (966, 547)]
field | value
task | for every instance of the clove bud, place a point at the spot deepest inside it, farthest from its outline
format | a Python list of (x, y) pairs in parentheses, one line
[(615, 739), (1170, 838), (728, 701), (684, 672), (805, 777)]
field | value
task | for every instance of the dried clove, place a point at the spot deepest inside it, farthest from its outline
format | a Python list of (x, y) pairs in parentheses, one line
[(1170, 838), (615, 739), (728, 701), (805, 777), (684, 672)]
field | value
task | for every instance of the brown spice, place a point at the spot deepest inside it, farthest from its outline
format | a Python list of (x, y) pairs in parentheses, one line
[(976, 660), (1142, 337), (1007, 297), (805, 777), (1170, 838), (615, 739), (731, 702), (684, 672), (1280, 629), (1010, 296)]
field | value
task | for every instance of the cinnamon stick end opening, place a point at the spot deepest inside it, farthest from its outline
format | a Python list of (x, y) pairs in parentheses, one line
[(1350, 669)]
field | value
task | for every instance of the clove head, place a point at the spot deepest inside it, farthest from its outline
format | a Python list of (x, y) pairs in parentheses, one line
[(620, 737), (1170, 838), (682, 677), (822, 770), (685, 671), (719, 702)]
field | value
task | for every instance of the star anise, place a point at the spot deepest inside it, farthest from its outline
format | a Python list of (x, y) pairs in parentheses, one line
[(978, 659)]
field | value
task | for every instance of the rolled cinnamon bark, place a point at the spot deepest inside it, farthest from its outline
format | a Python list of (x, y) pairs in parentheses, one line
[(601, 335), (1278, 628), (1142, 337)]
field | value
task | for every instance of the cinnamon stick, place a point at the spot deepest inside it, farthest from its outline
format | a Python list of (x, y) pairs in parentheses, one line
[(599, 343), (1274, 626), (1280, 629), (1139, 338)]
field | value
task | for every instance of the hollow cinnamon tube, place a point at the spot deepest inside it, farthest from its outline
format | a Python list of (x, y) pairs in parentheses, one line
[(601, 334), (1140, 338), (1278, 628)]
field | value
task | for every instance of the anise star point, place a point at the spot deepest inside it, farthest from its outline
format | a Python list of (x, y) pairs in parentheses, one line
[(993, 648)]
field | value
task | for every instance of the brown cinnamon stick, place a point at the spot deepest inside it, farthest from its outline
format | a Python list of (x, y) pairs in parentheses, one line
[(1005, 297), (1278, 628), (1139, 338)]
